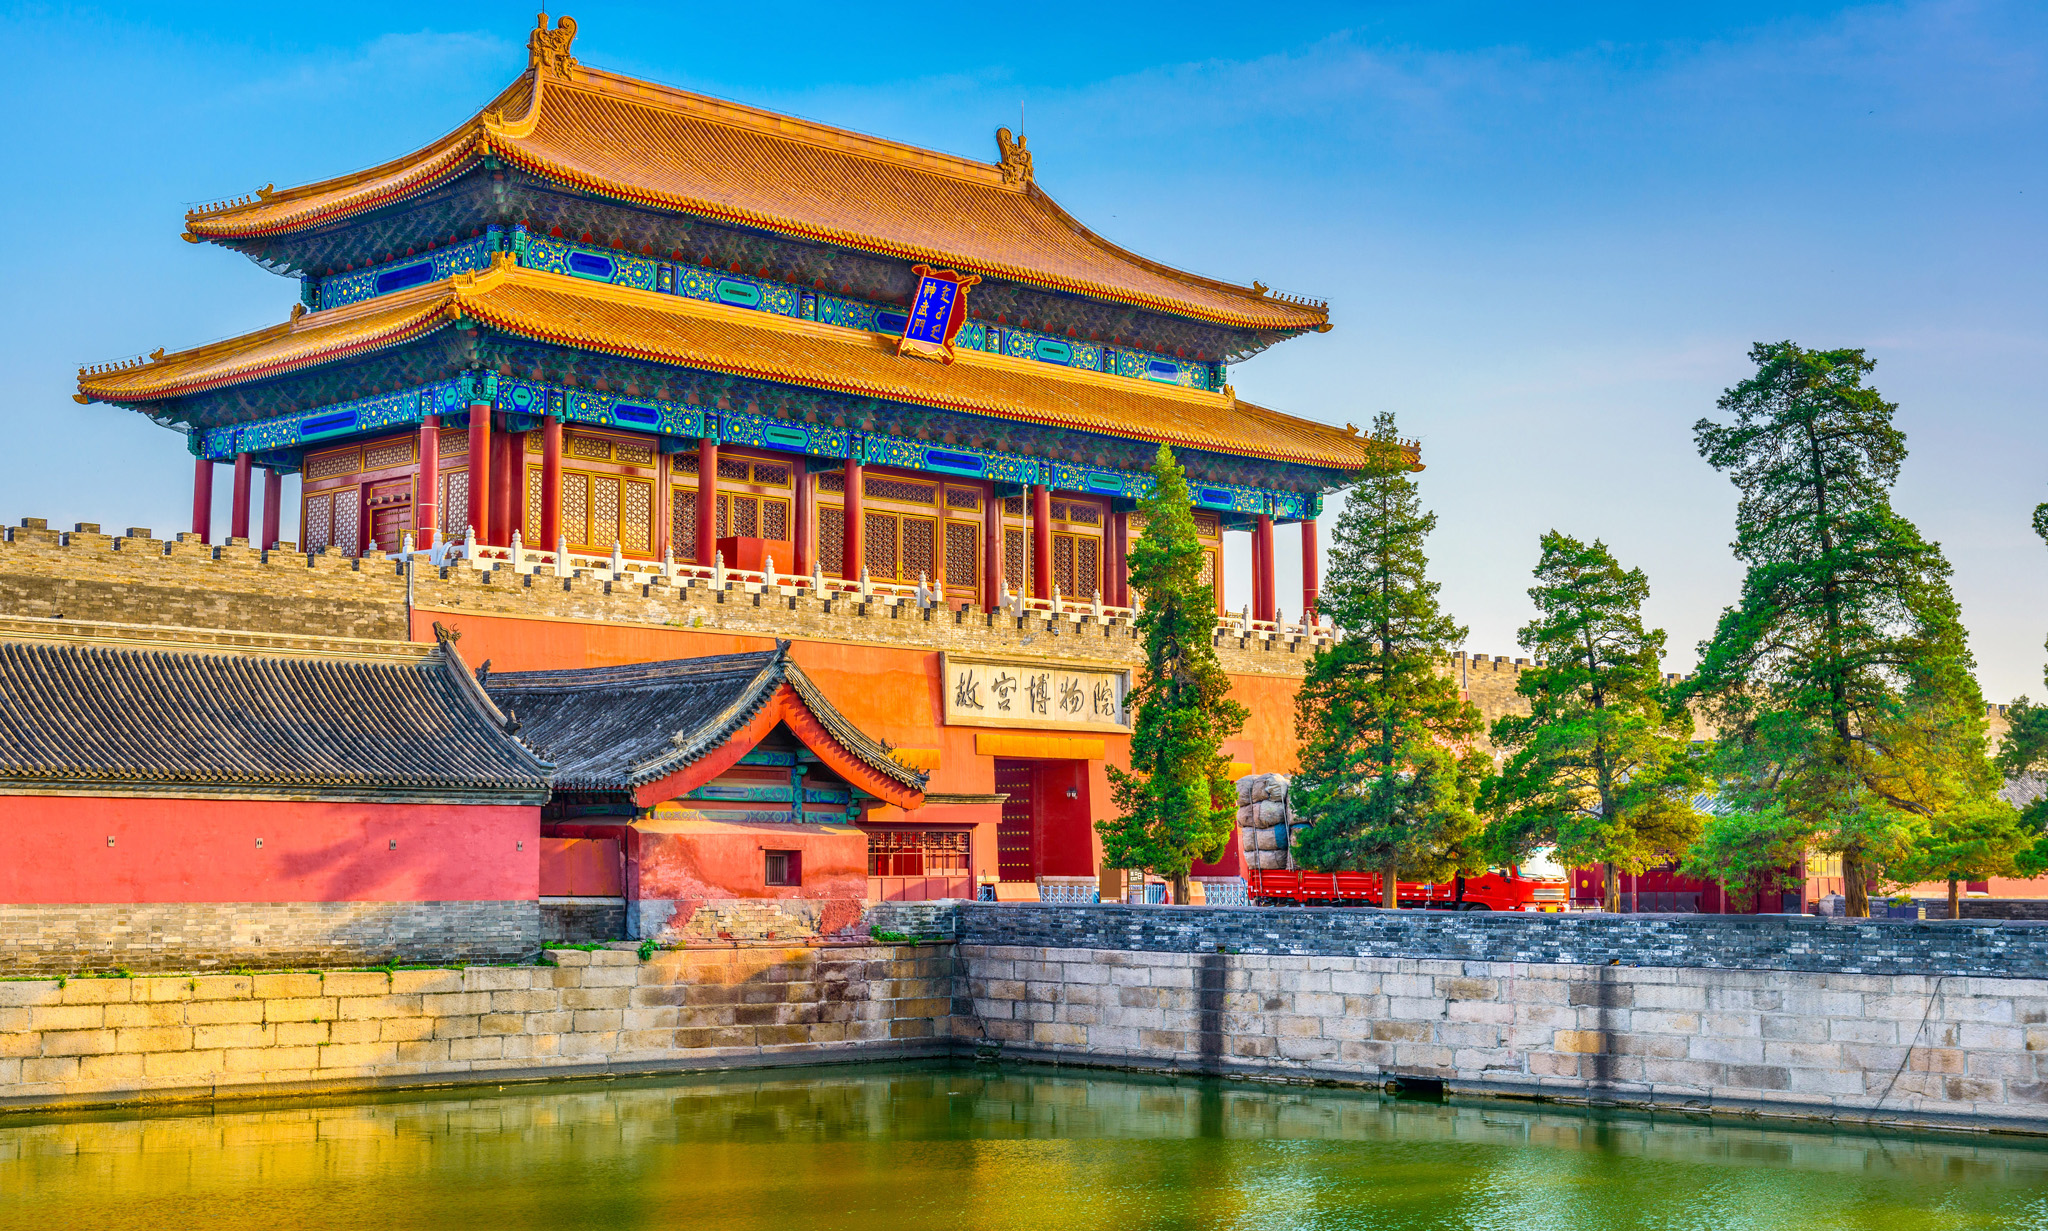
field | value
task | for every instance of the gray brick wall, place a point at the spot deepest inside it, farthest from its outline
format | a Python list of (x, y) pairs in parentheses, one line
[(201, 936), (1729, 942)]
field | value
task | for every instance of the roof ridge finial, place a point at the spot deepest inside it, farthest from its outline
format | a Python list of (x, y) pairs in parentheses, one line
[(1015, 162), (549, 49)]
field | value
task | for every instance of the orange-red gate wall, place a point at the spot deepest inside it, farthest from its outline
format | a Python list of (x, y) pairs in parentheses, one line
[(891, 693)]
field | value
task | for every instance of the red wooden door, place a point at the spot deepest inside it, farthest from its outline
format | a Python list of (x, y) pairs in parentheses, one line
[(1015, 840)]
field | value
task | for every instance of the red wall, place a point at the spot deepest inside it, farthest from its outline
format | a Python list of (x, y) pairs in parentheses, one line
[(204, 850), (724, 862), (893, 694)]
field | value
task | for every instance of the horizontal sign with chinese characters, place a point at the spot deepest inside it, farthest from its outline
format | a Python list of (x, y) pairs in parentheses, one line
[(997, 692)]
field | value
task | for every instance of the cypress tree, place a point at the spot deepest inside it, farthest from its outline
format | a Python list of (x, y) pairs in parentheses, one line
[(1601, 767), (1175, 802), (1841, 682), (1382, 785)]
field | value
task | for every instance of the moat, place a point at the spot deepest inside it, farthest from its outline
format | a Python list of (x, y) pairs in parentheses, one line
[(954, 1145)]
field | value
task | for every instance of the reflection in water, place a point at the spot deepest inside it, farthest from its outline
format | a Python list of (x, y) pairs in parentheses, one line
[(963, 1148)]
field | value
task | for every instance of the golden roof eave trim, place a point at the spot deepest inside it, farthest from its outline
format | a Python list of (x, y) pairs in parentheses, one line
[(480, 310), (490, 132)]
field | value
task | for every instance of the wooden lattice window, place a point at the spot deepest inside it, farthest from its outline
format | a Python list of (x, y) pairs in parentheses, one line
[(1063, 563), (455, 503), (1016, 561), (914, 852), (316, 523), (592, 447), (453, 443), (732, 468), (1083, 514), (634, 455), (775, 520), (390, 453), (882, 557), (1207, 525), (534, 495), (576, 508), (533, 441), (328, 465), (963, 498), (348, 520), (832, 481), (897, 489), (683, 463), (1013, 506), (683, 522), (920, 548), (636, 516), (604, 511), (1208, 577), (769, 474), (1087, 566), (832, 540), (963, 553)]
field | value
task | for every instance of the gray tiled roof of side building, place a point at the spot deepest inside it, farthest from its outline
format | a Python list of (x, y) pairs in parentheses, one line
[(615, 728), (95, 719)]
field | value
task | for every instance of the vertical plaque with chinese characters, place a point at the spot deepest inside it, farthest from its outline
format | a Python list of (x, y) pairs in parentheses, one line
[(983, 691)]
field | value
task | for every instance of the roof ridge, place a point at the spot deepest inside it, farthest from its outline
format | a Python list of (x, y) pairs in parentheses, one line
[(59, 631), (817, 133)]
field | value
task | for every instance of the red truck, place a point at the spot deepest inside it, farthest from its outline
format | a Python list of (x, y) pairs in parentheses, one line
[(1505, 889)]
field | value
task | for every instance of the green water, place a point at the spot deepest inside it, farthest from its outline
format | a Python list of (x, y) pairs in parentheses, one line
[(957, 1147)]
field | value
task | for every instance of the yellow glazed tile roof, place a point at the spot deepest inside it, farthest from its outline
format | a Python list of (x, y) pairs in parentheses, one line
[(670, 329), (670, 149)]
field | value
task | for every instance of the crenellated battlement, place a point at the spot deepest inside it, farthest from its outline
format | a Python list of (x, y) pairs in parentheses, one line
[(138, 578)]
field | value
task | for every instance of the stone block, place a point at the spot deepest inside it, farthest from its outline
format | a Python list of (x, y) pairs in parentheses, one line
[(222, 1012), (313, 1008), (357, 1055), (184, 1065), (353, 983), (97, 991), (379, 1005), (111, 1067), (362, 1030), (133, 1014), (416, 982), (482, 1047), (299, 1034), (79, 1042), (289, 987), (67, 1017), (240, 1034)]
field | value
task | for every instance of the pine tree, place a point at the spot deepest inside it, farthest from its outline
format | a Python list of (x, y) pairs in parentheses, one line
[(1175, 802), (1601, 768), (1382, 784), (1841, 682)]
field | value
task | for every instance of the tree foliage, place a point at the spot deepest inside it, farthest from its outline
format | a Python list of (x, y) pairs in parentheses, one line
[(1175, 802), (1601, 768), (1382, 784), (1841, 682)]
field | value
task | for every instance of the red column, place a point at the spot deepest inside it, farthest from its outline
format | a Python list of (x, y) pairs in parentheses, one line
[(991, 548), (1311, 571), (504, 473), (202, 499), (238, 513), (480, 472), (273, 497), (803, 530), (854, 552), (426, 502), (1267, 591), (707, 500), (1117, 566), (1041, 541), (550, 482)]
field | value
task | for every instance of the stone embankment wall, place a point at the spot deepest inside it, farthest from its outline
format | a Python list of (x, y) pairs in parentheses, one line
[(1924, 1023), (112, 1040)]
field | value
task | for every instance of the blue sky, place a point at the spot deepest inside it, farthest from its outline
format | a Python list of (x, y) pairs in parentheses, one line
[(1548, 236)]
